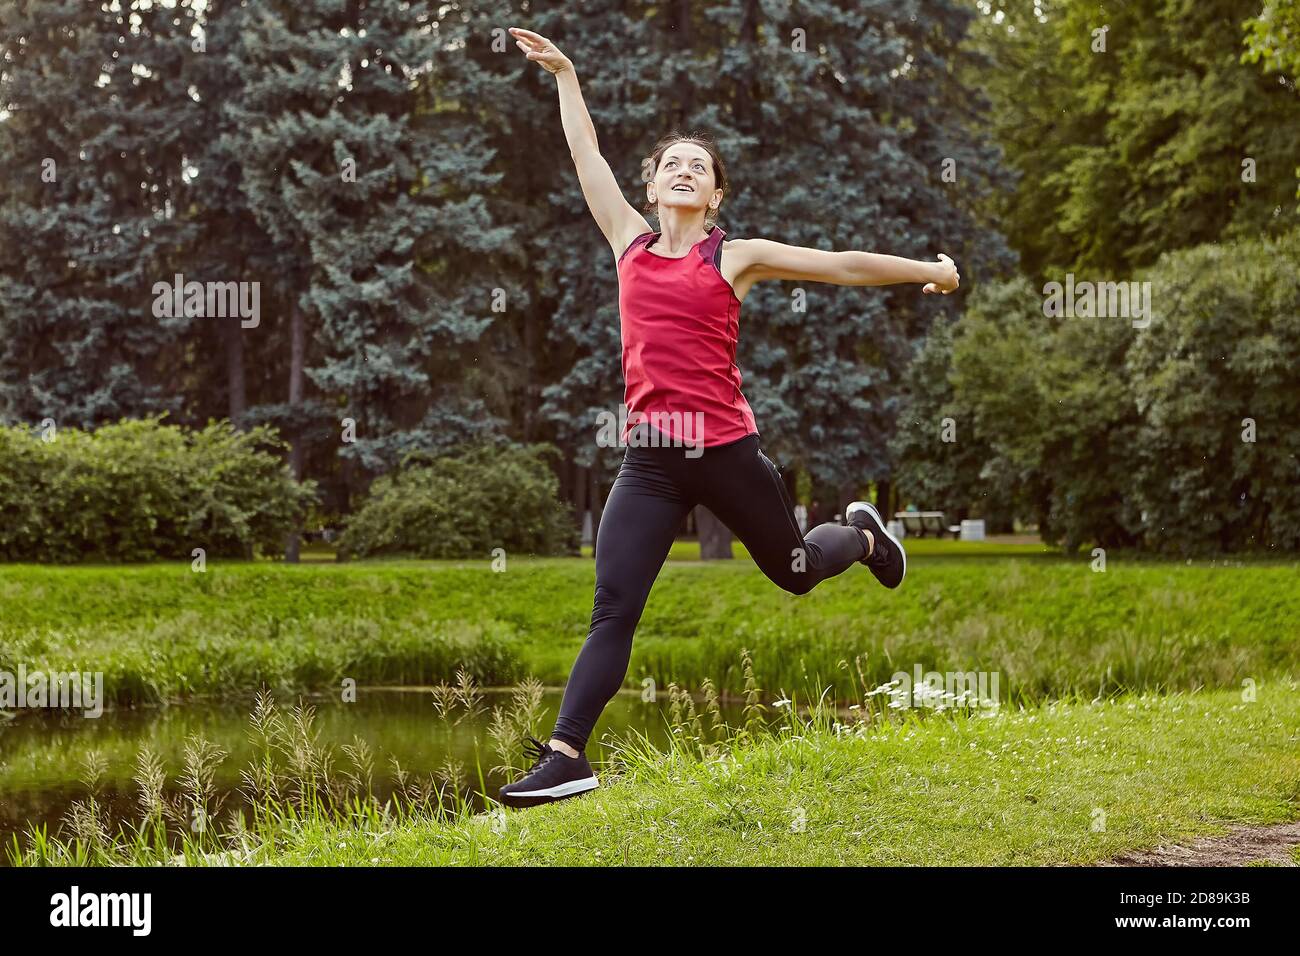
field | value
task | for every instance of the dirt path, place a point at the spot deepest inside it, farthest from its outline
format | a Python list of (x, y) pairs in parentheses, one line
[(1243, 845)]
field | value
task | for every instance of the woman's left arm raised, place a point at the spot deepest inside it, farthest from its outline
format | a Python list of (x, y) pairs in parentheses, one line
[(765, 259)]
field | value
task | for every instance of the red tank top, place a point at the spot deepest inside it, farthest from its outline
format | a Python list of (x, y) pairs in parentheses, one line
[(680, 321)]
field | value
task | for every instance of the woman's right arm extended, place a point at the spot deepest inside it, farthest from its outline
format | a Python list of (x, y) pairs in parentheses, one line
[(618, 221)]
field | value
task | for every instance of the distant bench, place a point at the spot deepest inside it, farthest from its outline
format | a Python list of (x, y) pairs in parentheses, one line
[(921, 524)]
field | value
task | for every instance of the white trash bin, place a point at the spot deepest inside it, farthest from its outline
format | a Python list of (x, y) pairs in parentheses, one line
[(896, 528), (972, 529)]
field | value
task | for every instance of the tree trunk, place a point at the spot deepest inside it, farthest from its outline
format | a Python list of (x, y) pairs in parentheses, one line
[(684, 42), (344, 504), (715, 537), (531, 387), (297, 348), (580, 488), (597, 505), (745, 93), (847, 493), (235, 381), (883, 505)]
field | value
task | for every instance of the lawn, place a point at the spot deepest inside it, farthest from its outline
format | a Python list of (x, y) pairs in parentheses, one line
[(1151, 702), (1066, 784), (1059, 784), (1049, 626)]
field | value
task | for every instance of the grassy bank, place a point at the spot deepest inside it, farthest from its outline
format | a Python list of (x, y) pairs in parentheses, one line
[(1064, 783), (1049, 626), (1025, 788)]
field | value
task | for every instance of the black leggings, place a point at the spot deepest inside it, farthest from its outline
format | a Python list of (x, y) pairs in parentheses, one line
[(655, 489)]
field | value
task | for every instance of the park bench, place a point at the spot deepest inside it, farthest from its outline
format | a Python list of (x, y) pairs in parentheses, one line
[(922, 524)]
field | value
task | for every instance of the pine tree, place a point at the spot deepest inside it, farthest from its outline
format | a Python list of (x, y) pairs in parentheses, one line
[(93, 153), (868, 114), (340, 170)]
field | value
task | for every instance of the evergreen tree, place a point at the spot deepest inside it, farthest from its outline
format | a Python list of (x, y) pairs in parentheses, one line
[(342, 173), (92, 151), (865, 107), (232, 245)]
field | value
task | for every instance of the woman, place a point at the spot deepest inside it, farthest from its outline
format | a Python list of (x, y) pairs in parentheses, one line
[(691, 435)]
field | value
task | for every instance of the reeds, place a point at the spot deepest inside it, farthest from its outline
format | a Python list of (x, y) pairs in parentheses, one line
[(293, 781)]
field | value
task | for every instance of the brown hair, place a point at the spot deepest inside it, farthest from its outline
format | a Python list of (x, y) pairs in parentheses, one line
[(650, 166)]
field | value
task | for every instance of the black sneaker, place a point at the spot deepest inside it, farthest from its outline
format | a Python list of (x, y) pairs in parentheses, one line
[(888, 562), (555, 776)]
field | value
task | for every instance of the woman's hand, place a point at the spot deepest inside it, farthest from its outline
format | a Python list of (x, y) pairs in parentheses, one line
[(536, 47), (946, 278)]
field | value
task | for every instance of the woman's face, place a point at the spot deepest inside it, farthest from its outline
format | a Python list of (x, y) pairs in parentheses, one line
[(684, 179)]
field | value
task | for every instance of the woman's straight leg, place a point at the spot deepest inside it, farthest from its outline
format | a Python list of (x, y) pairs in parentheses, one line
[(645, 509)]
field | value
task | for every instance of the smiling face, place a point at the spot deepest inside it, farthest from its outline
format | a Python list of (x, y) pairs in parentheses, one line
[(685, 180)]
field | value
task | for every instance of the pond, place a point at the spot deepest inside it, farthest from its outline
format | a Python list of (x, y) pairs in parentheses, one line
[(42, 759)]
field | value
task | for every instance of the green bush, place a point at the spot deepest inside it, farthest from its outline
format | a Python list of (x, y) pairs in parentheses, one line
[(1106, 434), (464, 506), (140, 490), (939, 475), (1217, 385)]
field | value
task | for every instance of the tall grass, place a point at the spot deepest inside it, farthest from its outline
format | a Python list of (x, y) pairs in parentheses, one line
[(191, 655), (293, 781), (1049, 627)]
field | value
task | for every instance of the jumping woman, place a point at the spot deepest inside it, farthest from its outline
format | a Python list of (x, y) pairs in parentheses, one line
[(680, 291)]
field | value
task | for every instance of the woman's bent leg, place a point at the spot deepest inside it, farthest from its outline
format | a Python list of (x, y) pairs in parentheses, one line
[(637, 528), (742, 486)]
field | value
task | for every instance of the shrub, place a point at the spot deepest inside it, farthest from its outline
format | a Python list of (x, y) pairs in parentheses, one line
[(141, 490), (465, 505), (1217, 387), (1178, 438)]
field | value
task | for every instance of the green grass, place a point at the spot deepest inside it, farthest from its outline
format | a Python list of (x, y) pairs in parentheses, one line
[(1067, 783), (1024, 788), (1133, 730), (686, 550), (1049, 626)]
